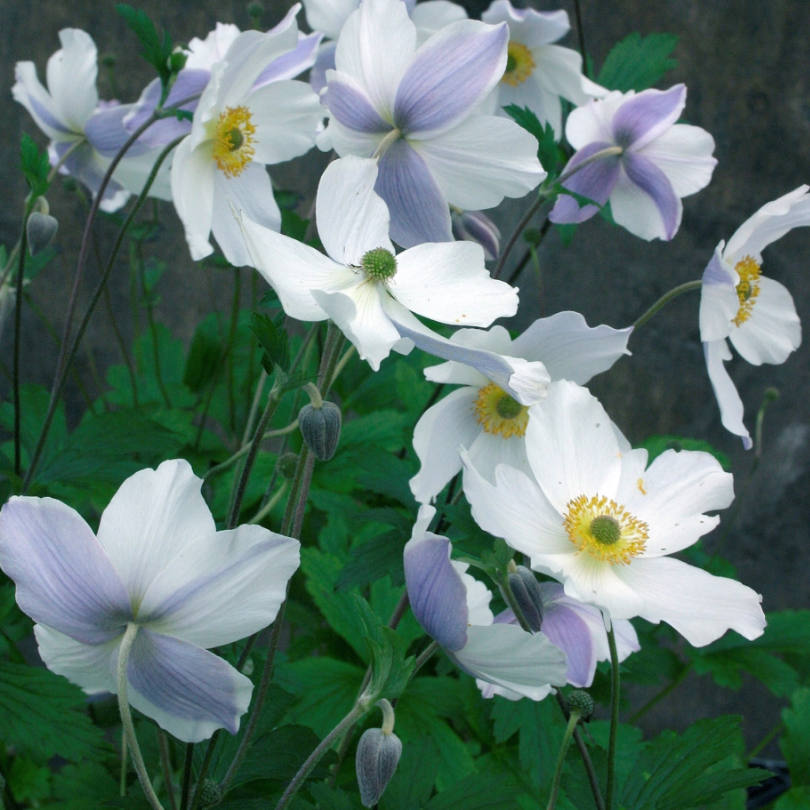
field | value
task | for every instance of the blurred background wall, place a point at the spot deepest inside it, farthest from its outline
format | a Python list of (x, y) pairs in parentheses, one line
[(746, 65)]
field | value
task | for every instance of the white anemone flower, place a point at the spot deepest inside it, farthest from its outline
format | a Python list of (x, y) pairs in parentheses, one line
[(603, 523), (237, 130), (539, 73), (361, 284), (488, 418), (157, 563), (755, 313)]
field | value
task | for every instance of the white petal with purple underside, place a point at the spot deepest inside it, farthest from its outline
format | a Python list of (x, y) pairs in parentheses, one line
[(573, 634), (684, 155), (643, 117), (635, 210), (719, 302), (292, 64), (595, 181), (449, 76), (193, 195), (29, 92), (63, 577), (347, 103), (86, 665), (728, 399), (231, 586), (190, 692), (701, 607), (436, 591), (645, 175), (531, 28)]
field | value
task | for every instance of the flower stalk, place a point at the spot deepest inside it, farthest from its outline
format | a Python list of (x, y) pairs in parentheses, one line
[(615, 685)]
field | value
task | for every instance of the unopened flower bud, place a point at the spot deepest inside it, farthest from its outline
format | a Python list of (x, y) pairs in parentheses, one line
[(210, 793), (108, 60), (473, 226), (70, 185), (526, 590), (41, 231), (177, 60), (581, 702), (255, 8), (320, 428), (378, 754), (286, 465)]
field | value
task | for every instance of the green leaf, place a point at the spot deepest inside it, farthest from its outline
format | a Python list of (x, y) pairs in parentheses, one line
[(83, 787), (566, 233), (28, 781), (333, 798), (637, 62), (42, 715), (655, 445), (374, 559), (274, 341), (478, 792), (412, 784), (797, 798), (795, 742), (204, 357), (548, 152), (156, 50), (35, 166)]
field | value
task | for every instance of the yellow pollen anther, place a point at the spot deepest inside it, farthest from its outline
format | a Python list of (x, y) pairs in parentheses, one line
[(747, 289), (233, 141), (499, 413), (519, 64), (605, 530), (640, 485)]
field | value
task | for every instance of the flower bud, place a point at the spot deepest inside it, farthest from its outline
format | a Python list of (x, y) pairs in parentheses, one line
[(286, 465), (378, 754), (210, 793), (41, 231), (177, 60), (526, 590), (582, 702), (473, 226), (320, 428)]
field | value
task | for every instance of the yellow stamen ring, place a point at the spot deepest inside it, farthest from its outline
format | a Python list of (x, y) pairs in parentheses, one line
[(233, 141), (519, 64), (605, 530), (747, 289), (499, 413)]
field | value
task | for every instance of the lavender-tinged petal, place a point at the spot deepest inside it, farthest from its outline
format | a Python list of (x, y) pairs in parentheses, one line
[(86, 665), (571, 634), (418, 207), (294, 63), (190, 692), (475, 226), (29, 92), (324, 61), (731, 406), (350, 105), (642, 172), (106, 133), (595, 182), (644, 117), (719, 302), (526, 382), (64, 579), (449, 75), (436, 591)]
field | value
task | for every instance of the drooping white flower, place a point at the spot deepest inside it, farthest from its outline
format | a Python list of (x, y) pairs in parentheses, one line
[(157, 562), (488, 418), (603, 523), (754, 312), (414, 109), (70, 114), (660, 161), (453, 608), (361, 285), (237, 130), (539, 73)]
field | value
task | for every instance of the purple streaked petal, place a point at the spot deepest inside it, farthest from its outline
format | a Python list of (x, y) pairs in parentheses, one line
[(190, 692), (418, 207), (645, 116), (436, 591), (642, 172), (292, 64), (40, 111), (64, 579), (89, 168), (571, 633), (29, 92), (106, 133), (351, 106), (475, 226), (324, 61), (595, 182), (449, 75)]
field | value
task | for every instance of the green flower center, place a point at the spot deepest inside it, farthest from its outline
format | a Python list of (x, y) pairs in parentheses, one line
[(380, 264), (508, 407), (606, 530), (236, 139)]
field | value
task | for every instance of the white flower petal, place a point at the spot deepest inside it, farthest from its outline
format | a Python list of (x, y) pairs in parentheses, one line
[(329, 16), (448, 282), (597, 582), (71, 76), (571, 446), (731, 406), (352, 218), (773, 331), (347, 141), (193, 195), (684, 154), (591, 123), (560, 70), (29, 92), (701, 607), (437, 437), (86, 665), (636, 210), (719, 302), (433, 15)]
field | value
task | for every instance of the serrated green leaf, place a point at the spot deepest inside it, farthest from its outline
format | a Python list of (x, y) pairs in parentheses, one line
[(637, 62), (478, 792), (42, 715), (274, 340), (378, 557), (84, 787), (797, 798), (795, 742), (655, 445), (35, 166), (204, 358), (412, 784), (155, 50)]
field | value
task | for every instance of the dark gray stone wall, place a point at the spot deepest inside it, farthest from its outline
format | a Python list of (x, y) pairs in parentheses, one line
[(746, 66)]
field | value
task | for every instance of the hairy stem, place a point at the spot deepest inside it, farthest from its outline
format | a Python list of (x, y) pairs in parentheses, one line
[(665, 299), (573, 719), (615, 685)]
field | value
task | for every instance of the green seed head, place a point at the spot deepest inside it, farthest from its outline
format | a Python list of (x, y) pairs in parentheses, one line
[(582, 702), (511, 63), (508, 408), (236, 138), (606, 530), (380, 264)]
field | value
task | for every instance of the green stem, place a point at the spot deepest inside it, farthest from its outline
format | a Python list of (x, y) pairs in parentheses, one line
[(665, 299), (269, 506), (126, 716), (524, 221), (150, 320), (769, 737), (270, 434), (237, 294), (187, 773), (166, 766), (615, 686), (17, 340), (70, 354), (569, 733), (122, 779), (425, 656), (314, 758), (544, 229)]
